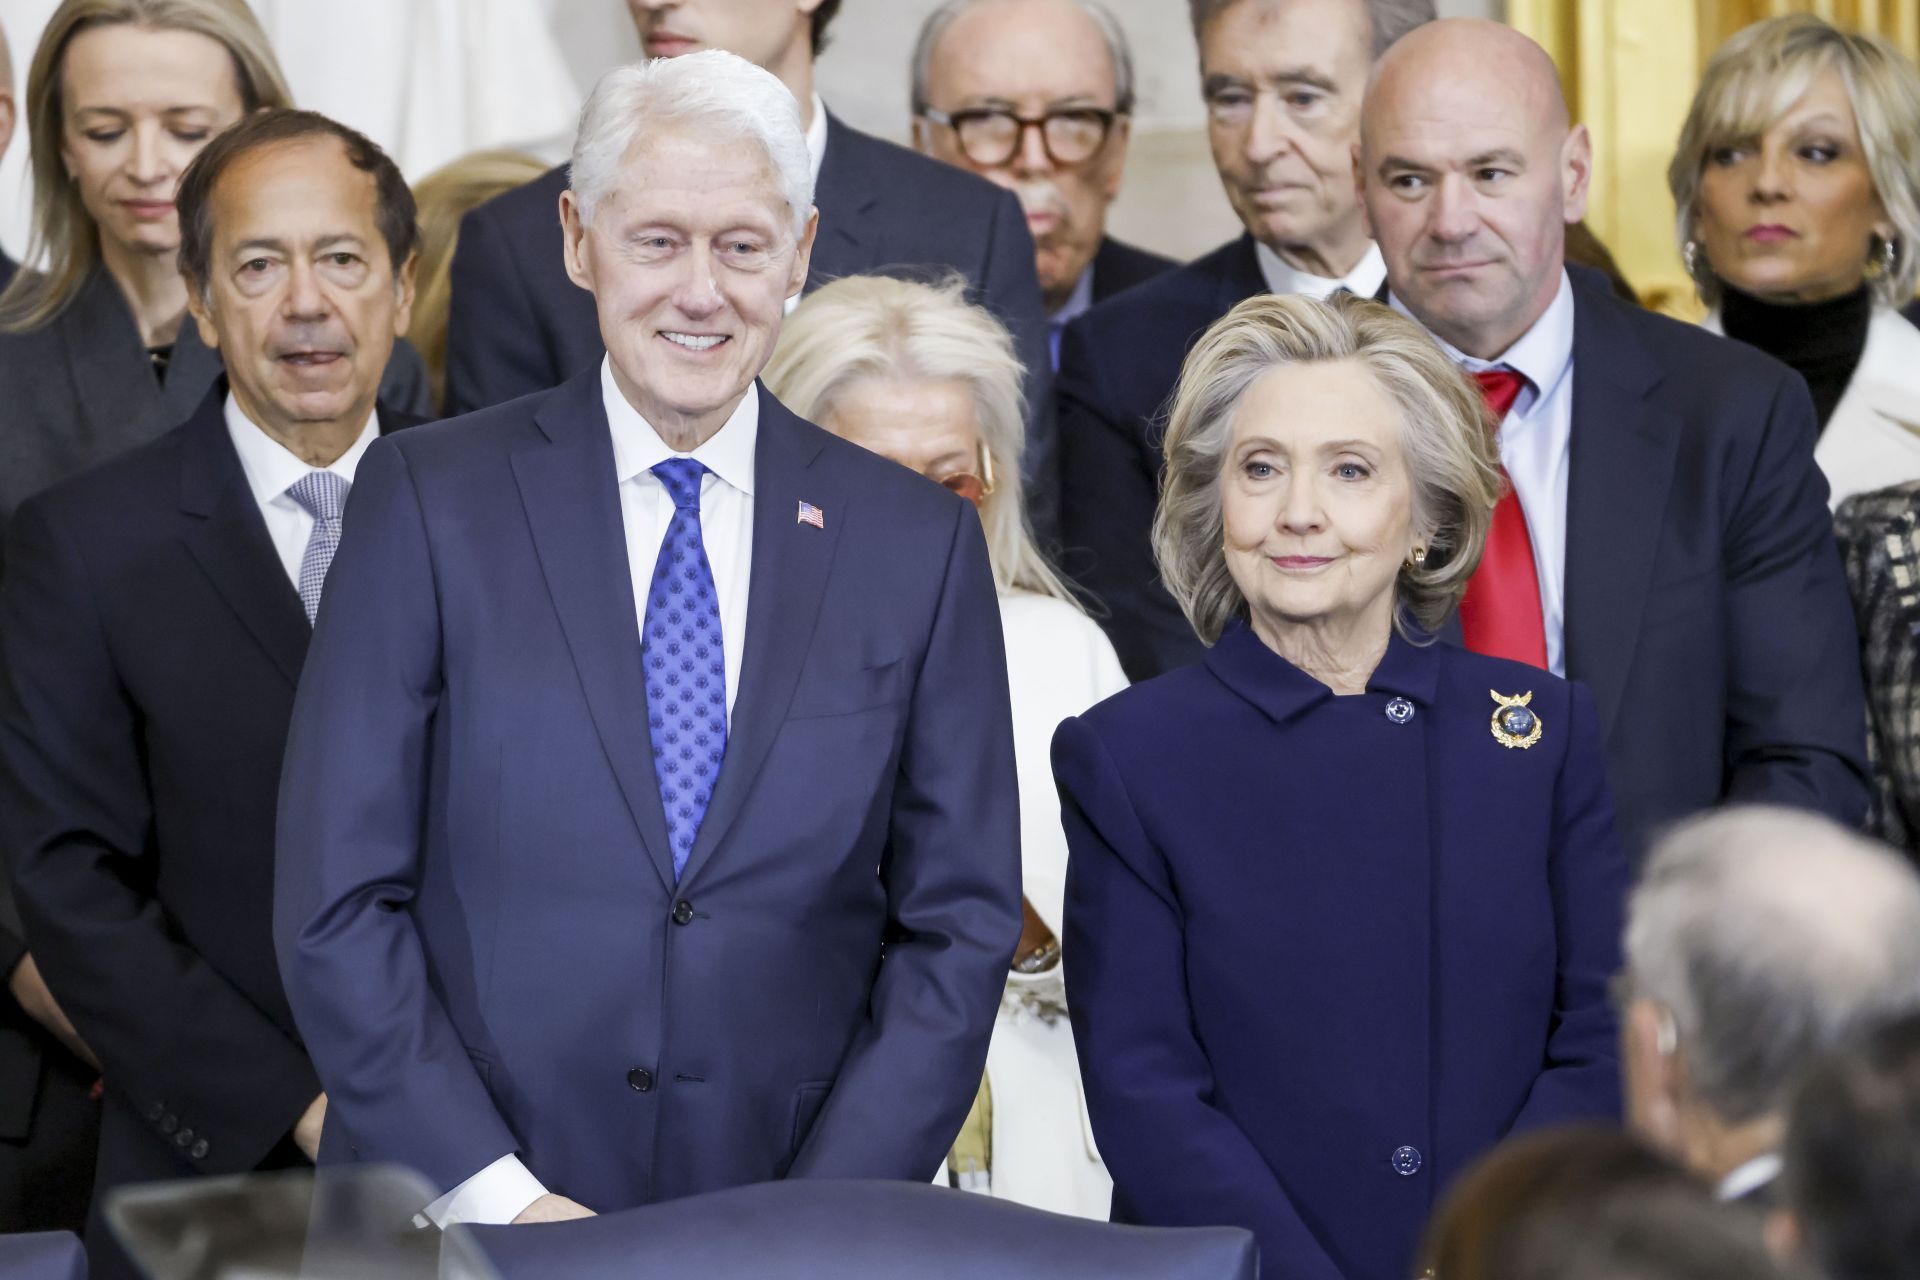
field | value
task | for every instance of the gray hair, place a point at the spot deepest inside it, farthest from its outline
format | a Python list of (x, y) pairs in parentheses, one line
[(1451, 459), (1390, 19), (928, 43), (722, 91), (1771, 935)]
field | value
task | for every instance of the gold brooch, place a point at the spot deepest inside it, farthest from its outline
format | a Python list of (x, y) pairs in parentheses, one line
[(1513, 724)]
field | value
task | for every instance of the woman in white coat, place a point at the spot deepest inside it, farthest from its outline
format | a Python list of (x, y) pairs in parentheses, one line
[(1799, 220), (919, 375)]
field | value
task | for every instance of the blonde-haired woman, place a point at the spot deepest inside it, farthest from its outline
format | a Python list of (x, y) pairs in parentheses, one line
[(1798, 198), (1343, 903), (96, 351), (917, 374)]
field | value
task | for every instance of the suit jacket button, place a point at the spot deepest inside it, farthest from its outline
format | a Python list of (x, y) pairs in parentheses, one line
[(157, 1110), (169, 1123), (683, 912), (183, 1139), (199, 1150), (1406, 1161), (640, 1080)]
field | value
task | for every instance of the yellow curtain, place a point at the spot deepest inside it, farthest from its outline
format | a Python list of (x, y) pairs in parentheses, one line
[(1630, 68)]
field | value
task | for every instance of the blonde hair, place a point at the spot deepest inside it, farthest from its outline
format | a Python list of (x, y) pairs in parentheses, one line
[(863, 328), (64, 234), (1758, 74), (444, 197), (1448, 441)]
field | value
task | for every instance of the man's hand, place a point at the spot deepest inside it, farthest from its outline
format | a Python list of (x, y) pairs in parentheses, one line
[(30, 989), (306, 1131), (552, 1208)]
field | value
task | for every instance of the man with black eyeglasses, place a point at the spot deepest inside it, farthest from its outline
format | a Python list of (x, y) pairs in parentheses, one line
[(1037, 95)]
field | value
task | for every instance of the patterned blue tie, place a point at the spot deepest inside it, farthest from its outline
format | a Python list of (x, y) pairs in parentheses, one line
[(685, 665), (324, 495)]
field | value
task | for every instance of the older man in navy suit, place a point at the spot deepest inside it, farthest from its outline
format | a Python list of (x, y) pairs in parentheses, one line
[(650, 821), (1666, 538), (519, 325)]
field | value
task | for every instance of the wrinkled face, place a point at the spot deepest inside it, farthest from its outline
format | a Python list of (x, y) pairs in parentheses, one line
[(303, 302), (1283, 81), (1316, 498), (1033, 57), (761, 31), (1469, 187), (928, 426), (690, 258), (1790, 215), (139, 104)]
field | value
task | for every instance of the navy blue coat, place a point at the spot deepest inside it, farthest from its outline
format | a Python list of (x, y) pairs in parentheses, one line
[(1319, 958), (476, 913)]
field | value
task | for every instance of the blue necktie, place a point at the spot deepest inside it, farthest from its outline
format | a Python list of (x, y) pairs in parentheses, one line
[(685, 663), (324, 495)]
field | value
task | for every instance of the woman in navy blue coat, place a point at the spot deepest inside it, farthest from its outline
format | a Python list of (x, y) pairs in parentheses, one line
[(1342, 902)]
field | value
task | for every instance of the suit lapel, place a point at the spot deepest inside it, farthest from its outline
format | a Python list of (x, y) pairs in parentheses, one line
[(1620, 471), (789, 575), (844, 195), (572, 499), (230, 540)]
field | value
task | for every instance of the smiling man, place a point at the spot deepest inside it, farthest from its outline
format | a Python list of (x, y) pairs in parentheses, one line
[(152, 627), (650, 820)]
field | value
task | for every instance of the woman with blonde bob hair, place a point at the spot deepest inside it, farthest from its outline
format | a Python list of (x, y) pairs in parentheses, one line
[(1343, 900), (918, 374)]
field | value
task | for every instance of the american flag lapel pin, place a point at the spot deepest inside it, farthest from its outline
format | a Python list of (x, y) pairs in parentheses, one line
[(810, 514)]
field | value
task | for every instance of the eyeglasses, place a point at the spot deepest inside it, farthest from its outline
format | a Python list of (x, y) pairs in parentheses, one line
[(991, 136), (973, 488)]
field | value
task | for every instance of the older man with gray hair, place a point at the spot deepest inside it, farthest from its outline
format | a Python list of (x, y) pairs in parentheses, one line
[(1757, 939), (650, 821), (1037, 96)]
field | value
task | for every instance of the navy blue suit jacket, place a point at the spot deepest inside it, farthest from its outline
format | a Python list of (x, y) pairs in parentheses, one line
[(1119, 266), (1320, 958), (476, 911), (519, 325)]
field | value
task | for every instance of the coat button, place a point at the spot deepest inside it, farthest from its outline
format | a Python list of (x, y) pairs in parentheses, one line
[(157, 1110), (683, 912), (183, 1139), (1406, 1161), (640, 1080), (169, 1123), (199, 1150), (1399, 711)]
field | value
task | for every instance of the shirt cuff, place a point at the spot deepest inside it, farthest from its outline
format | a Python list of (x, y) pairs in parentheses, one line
[(494, 1196)]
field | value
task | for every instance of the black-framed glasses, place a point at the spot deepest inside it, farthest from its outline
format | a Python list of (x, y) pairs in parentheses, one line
[(992, 136)]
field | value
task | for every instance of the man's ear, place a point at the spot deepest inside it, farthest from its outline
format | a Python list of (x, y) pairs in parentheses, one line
[(1360, 191), (404, 284), (921, 142), (202, 314), (1576, 170), (803, 254), (1653, 1076), (573, 241), (1117, 156)]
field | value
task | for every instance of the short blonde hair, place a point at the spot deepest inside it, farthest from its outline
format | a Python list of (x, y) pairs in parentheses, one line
[(1447, 438), (64, 234), (443, 198), (863, 328), (1758, 74)]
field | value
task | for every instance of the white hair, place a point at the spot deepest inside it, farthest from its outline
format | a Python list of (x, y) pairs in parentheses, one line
[(720, 92)]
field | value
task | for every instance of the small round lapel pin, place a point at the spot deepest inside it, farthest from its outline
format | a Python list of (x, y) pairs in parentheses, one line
[(1514, 723)]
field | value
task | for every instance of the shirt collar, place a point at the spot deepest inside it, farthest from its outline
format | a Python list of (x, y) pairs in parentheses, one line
[(637, 447), (1363, 281), (817, 137), (1242, 661), (271, 468), (1542, 354), (1078, 303), (1749, 1177)]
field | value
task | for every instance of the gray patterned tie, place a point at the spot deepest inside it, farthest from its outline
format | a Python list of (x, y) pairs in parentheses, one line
[(324, 495)]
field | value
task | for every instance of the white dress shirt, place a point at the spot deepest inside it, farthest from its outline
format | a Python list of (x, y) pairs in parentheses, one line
[(499, 1192), (1363, 281), (271, 469), (1535, 446)]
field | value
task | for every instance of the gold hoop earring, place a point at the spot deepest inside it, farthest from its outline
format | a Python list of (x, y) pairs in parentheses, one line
[(1418, 558)]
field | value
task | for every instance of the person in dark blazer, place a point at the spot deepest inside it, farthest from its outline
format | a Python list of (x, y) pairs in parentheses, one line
[(519, 324), (1342, 900), (1037, 96), (153, 622), (1283, 81), (1665, 539), (652, 771)]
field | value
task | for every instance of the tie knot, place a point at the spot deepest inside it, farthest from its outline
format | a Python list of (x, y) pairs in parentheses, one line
[(322, 493), (1500, 387), (682, 478)]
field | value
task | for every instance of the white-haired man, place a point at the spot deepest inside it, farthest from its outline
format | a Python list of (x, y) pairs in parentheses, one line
[(650, 820), (1757, 939)]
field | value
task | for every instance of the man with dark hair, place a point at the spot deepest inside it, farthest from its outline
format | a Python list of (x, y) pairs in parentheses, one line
[(519, 325), (1852, 1155), (1283, 81), (153, 625)]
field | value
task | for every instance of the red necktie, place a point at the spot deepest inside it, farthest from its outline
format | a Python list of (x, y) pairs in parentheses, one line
[(1501, 612)]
